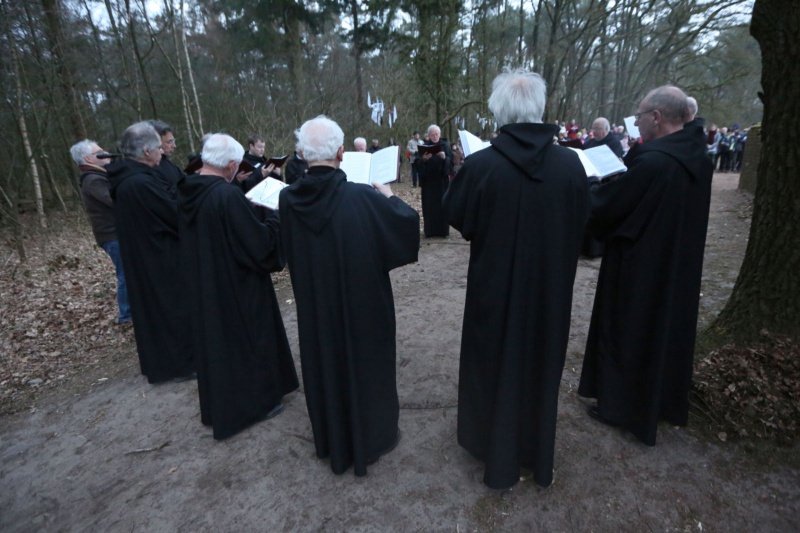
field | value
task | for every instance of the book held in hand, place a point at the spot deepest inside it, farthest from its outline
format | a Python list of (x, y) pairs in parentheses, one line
[(600, 161), (363, 167), (470, 143), (277, 161), (432, 149), (266, 193), (633, 131)]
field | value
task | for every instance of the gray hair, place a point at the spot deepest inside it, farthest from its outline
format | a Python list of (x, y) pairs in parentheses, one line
[(691, 102), (518, 96), (670, 101), (81, 149), (358, 140), (603, 122), (434, 127), (138, 138), (161, 127), (220, 149), (319, 139)]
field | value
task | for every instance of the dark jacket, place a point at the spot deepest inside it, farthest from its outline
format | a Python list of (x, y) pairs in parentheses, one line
[(97, 202)]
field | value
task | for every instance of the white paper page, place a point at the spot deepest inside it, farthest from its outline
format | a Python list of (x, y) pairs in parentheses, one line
[(471, 143), (266, 193), (605, 161), (356, 166), (587, 164), (383, 167), (633, 131)]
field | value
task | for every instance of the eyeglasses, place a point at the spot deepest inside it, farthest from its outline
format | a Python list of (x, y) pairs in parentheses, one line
[(637, 116)]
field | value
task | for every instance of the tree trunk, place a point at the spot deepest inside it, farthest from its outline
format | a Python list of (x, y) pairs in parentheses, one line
[(767, 292), (23, 131), (189, 70), (52, 10)]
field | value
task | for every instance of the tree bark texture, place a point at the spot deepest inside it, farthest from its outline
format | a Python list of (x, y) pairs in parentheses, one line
[(767, 292)]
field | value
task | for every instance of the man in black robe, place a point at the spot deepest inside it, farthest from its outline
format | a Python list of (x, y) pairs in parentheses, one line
[(166, 168), (341, 241), (296, 168), (523, 204), (434, 176), (255, 156), (244, 364), (653, 219), (147, 228), (602, 136)]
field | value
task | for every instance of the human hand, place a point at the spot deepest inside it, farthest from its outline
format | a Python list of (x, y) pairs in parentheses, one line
[(442, 155), (241, 176), (383, 188)]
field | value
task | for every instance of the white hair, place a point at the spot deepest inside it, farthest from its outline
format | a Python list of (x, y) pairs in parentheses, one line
[(603, 123), (220, 149), (691, 102), (81, 149), (517, 96), (138, 138), (359, 140), (319, 139), (434, 127)]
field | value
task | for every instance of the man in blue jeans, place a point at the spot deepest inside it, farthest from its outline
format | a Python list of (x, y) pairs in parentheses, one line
[(98, 205)]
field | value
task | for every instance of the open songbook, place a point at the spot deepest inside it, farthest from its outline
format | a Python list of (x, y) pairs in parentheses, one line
[(432, 149), (363, 167), (470, 143), (600, 161), (266, 193)]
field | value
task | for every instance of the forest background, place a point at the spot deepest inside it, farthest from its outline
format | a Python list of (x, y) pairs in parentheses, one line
[(73, 69)]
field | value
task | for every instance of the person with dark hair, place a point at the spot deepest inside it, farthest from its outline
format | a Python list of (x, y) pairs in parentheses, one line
[(341, 240), (146, 213), (244, 364), (168, 170), (522, 203), (255, 156), (99, 208), (653, 220)]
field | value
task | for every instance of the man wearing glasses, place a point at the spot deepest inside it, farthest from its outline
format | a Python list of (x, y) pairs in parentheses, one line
[(653, 219)]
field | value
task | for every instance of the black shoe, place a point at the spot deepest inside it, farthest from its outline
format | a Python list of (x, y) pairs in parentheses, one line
[(373, 460), (278, 409), (187, 377), (594, 413)]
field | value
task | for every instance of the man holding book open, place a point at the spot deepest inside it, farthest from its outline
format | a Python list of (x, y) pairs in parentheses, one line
[(244, 364), (434, 168), (341, 240), (522, 203), (653, 220)]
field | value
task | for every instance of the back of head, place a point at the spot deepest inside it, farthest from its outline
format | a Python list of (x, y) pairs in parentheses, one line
[(138, 138), (692, 105), (517, 96), (161, 127), (220, 149), (319, 139), (671, 102), (81, 149)]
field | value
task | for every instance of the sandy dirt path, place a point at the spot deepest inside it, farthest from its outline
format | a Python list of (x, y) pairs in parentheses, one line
[(128, 456)]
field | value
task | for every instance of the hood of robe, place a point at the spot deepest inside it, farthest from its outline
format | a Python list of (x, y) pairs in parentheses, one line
[(315, 197), (687, 146), (193, 190), (119, 171), (524, 144)]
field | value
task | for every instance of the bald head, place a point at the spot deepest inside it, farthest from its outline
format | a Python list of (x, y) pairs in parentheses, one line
[(662, 112)]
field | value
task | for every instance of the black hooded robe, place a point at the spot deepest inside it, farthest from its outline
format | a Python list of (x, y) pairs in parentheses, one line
[(147, 226), (244, 363), (341, 240), (434, 177), (523, 204), (653, 219)]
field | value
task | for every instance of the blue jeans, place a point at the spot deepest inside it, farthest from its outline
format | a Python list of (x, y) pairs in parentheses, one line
[(112, 249)]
